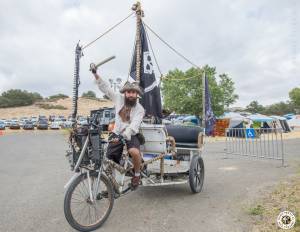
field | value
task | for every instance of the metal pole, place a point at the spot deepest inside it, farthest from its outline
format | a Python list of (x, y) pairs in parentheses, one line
[(203, 102), (282, 150), (76, 82)]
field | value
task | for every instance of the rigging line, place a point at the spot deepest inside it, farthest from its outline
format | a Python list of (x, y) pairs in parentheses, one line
[(110, 29), (180, 79), (153, 53), (173, 49)]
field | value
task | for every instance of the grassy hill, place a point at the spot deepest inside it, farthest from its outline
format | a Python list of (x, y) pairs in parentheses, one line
[(84, 107)]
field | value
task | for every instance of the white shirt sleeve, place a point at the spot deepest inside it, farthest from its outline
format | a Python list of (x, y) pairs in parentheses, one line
[(106, 89)]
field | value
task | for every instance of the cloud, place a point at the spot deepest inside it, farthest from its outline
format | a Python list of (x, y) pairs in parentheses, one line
[(255, 42)]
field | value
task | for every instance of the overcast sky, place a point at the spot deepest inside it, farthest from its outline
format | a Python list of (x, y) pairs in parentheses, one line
[(256, 42)]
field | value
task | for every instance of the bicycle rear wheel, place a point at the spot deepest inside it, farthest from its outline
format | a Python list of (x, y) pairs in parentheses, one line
[(83, 214)]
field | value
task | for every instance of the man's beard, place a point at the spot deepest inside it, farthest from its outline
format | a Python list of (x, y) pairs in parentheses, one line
[(130, 101)]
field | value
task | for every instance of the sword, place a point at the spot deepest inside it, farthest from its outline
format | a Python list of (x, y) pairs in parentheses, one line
[(95, 66)]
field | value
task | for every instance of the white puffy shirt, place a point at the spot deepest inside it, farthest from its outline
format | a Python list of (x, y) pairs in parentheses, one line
[(136, 114)]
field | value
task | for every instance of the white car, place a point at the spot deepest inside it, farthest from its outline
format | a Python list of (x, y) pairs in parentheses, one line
[(67, 124), (54, 125), (82, 122)]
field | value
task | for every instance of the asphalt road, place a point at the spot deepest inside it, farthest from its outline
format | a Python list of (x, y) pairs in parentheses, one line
[(33, 171)]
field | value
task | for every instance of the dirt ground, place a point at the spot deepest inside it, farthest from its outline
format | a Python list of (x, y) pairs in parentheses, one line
[(285, 196), (84, 108)]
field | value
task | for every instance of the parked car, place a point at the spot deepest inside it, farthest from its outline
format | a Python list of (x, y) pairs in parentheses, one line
[(42, 117), (34, 120), (62, 118), (14, 124), (51, 118), (42, 124), (28, 125), (7, 123), (2, 125), (82, 122), (23, 121), (55, 125), (192, 119), (67, 124)]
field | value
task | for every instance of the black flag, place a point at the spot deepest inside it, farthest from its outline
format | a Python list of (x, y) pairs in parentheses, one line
[(151, 100)]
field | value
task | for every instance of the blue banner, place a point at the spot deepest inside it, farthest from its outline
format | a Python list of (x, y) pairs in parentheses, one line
[(210, 118)]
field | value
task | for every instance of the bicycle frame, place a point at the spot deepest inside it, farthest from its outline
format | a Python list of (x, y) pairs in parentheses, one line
[(109, 167)]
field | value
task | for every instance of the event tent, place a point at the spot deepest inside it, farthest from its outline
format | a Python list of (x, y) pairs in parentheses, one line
[(294, 123), (281, 122)]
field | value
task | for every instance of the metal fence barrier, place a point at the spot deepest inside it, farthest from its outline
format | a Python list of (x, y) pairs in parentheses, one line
[(261, 143)]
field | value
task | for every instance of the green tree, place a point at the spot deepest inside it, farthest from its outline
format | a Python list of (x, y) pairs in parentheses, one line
[(17, 97), (89, 94), (37, 96), (58, 96), (294, 95), (279, 108), (255, 107), (182, 91), (227, 88)]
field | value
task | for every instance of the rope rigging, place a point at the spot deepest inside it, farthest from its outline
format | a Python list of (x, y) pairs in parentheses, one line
[(106, 32), (151, 47), (172, 48)]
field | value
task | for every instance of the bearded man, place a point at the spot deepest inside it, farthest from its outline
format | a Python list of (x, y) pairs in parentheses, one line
[(129, 116)]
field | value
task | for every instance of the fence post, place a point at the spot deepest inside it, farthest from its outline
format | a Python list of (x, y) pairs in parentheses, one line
[(282, 150)]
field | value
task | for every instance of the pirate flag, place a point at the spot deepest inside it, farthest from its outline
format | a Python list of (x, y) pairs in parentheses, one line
[(151, 100)]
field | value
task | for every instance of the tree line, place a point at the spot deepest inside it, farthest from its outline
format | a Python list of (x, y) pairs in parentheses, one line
[(182, 93), (18, 97), (279, 108)]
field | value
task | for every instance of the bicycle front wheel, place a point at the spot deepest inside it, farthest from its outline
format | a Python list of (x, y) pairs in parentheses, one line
[(82, 213)]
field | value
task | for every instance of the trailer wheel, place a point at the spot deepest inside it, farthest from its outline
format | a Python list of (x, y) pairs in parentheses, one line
[(196, 174)]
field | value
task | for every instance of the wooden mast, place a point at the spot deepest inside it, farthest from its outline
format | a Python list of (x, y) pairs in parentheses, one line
[(139, 14)]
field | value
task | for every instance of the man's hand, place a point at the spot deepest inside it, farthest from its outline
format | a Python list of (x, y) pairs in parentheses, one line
[(127, 134), (93, 69)]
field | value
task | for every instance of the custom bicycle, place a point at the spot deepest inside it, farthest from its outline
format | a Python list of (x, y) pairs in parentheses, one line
[(98, 181)]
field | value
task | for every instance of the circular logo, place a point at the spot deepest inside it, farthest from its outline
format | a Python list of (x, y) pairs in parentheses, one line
[(286, 220)]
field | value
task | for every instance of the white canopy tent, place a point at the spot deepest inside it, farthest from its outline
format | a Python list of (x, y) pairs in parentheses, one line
[(260, 118), (294, 123), (234, 118)]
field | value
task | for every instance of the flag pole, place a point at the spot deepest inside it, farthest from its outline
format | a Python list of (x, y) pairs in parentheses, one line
[(139, 14), (203, 101)]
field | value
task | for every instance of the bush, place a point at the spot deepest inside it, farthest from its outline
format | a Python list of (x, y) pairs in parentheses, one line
[(17, 97), (89, 94), (58, 96), (48, 107)]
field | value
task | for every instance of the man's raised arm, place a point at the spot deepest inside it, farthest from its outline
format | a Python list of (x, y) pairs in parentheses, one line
[(104, 87)]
